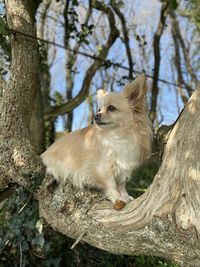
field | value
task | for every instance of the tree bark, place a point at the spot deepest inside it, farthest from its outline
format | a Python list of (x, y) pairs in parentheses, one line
[(164, 221), (17, 153)]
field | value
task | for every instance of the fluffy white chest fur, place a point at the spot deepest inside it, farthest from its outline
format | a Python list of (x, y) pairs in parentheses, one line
[(121, 154)]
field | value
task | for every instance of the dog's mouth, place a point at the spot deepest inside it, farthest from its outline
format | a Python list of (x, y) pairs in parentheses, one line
[(102, 123)]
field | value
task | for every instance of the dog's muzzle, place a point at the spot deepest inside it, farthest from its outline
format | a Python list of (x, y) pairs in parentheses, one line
[(97, 117)]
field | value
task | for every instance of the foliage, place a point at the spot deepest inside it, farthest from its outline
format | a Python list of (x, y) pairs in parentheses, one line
[(142, 178), (3, 27), (74, 29)]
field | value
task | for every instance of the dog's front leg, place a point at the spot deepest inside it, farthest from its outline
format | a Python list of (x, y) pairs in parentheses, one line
[(123, 192), (112, 193)]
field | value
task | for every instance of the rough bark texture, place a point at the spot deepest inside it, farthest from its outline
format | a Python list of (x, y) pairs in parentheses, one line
[(17, 153), (164, 221)]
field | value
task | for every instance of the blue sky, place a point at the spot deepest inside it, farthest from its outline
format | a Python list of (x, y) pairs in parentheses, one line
[(142, 18)]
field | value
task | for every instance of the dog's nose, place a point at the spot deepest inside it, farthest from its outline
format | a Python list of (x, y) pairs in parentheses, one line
[(97, 116)]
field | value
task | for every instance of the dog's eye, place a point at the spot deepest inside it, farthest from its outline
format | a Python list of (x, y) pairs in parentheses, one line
[(111, 108)]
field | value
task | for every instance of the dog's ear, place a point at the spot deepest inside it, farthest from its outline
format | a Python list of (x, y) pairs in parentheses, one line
[(101, 93), (136, 89)]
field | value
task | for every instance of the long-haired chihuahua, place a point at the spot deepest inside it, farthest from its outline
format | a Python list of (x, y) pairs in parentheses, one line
[(105, 154)]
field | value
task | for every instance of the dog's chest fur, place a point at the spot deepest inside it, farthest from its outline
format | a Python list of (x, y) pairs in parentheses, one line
[(121, 154)]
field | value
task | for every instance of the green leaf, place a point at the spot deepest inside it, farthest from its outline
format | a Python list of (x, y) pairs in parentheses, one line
[(3, 28), (174, 4), (75, 3)]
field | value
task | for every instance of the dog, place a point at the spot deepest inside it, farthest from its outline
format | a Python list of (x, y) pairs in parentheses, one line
[(104, 154)]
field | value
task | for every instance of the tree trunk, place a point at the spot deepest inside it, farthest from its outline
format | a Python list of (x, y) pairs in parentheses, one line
[(17, 153), (164, 221)]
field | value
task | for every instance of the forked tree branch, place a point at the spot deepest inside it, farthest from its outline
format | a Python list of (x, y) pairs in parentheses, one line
[(164, 221), (82, 95)]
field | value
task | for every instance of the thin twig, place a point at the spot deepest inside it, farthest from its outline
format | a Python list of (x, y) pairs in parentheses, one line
[(25, 204), (78, 240)]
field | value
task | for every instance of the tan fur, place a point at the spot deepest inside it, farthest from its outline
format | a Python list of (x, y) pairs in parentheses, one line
[(104, 156)]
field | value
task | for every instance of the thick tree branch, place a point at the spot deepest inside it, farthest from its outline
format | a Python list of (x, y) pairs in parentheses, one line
[(82, 95), (156, 48), (126, 37), (164, 221)]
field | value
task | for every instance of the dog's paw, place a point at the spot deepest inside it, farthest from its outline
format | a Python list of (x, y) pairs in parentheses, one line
[(127, 198), (119, 204)]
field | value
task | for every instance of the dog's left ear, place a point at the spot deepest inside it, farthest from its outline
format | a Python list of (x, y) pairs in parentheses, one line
[(136, 89)]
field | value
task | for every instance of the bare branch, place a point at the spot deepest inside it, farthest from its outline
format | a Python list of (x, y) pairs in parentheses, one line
[(82, 95), (43, 16), (126, 37), (177, 58), (156, 47), (104, 61), (71, 60), (177, 31)]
